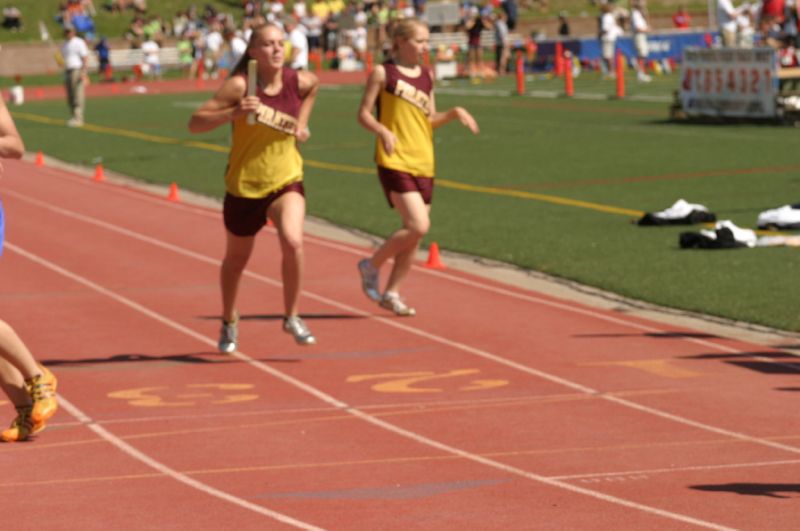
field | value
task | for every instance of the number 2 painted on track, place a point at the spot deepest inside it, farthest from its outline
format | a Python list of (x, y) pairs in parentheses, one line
[(405, 382)]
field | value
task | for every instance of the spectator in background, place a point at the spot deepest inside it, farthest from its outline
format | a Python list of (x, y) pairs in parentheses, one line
[(152, 61), (186, 52), (135, 33), (473, 25), (610, 31), (213, 48), (313, 25), (76, 63), (775, 9), (103, 55), (12, 19), (512, 12), (727, 17), (681, 19), (563, 24), (502, 42), (234, 48), (298, 55), (640, 29), (746, 31)]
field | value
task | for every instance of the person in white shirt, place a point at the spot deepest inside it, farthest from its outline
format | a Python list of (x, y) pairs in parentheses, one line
[(640, 30), (727, 17), (235, 47), (609, 32), (213, 51), (75, 54), (298, 59), (152, 60)]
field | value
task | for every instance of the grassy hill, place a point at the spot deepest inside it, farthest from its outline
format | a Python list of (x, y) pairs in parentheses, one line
[(108, 24), (533, 12)]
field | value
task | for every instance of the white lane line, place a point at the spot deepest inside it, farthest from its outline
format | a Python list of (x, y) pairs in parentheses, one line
[(174, 474), (322, 396), (565, 306), (433, 337)]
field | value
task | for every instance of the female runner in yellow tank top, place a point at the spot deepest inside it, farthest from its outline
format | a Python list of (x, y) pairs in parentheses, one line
[(265, 171), (402, 90)]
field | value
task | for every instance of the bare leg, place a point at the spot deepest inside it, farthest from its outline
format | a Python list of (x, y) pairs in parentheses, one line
[(403, 243), (288, 213), (13, 384), (15, 353), (237, 252)]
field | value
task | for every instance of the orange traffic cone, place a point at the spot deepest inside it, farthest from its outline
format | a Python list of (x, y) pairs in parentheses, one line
[(173, 193), (434, 262), (39, 158), (99, 175)]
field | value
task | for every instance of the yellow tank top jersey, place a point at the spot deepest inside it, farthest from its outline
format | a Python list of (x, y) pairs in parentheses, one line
[(404, 108), (264, 157)]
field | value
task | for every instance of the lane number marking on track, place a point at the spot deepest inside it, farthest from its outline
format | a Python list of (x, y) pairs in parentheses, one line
[(663, 367), (186, 396), (404, 382)]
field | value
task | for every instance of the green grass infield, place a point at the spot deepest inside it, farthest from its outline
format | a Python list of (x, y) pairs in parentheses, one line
[(550, 183)]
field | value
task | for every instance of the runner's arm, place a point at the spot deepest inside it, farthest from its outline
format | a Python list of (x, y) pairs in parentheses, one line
[(228, 103), (309, 86), (375, 83)]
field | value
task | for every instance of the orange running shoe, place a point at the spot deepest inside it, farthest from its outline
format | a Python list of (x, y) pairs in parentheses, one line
[(42, 389), (22, 427)]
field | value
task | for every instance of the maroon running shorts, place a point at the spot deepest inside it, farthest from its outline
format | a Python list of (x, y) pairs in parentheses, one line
[(400, 181), (245, 216)]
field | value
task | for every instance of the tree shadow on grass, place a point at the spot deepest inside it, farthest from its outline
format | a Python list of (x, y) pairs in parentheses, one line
[(769, 490)]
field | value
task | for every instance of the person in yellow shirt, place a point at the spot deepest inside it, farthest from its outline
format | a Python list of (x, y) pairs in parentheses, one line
[(336, 6), (402, 89), (264, 178), (321, 9)]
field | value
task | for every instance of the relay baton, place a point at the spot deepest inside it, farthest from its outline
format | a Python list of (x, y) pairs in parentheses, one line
[(252, 66)]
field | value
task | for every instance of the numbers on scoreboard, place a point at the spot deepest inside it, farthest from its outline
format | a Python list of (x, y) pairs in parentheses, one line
[(724, 81)]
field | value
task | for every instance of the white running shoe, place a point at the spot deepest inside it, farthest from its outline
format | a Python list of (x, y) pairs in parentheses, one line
[(393, 302), (297, 327)]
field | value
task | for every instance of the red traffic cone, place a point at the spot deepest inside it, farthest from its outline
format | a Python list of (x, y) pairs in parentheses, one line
[(99, 175), (569, 84), (173, 193), (434, 262), (39, 158)]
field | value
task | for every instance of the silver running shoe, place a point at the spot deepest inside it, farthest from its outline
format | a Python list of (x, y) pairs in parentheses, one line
[(395, 304), (369, 280), (228, 337), (297, 327)]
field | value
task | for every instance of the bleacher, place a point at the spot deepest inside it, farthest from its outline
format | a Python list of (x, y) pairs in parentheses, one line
[(127, 58), (459, 38)]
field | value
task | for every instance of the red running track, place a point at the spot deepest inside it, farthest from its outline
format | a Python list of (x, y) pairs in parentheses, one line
[(171, 86), (494, 408)]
